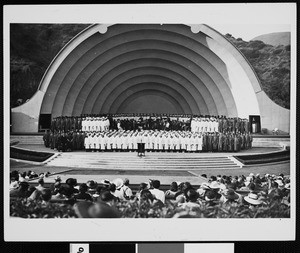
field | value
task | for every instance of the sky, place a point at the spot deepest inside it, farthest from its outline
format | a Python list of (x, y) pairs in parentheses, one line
[(249, 32), (244, 20)]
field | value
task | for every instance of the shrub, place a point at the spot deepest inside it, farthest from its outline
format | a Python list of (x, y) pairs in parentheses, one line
[(269, 209), (277, 51), (288, 48), (134, 209), (37, 209)]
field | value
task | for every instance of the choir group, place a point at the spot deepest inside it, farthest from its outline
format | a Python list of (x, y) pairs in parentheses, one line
[(181, 133)]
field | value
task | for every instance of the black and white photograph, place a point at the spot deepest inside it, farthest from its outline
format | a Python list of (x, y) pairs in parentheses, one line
[(150, 121)]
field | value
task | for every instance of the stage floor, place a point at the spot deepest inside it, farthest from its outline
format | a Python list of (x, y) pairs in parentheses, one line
[(166, 174)]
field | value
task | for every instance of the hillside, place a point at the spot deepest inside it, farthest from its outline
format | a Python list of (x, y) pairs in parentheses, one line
[(275, 39), (271, 64), (33, 47)]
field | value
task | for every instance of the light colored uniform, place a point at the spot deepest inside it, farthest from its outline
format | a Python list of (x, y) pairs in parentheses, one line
[(135, 141), (125, 142), (97, 125), (188, 143), (155, 142), (160, 142), (103, 141), (94, 141), (176, 142), (130, 141), (216, 126), (151, 142), (98, 140), (199, 142), (145, 140), (109, 142), (197, 126), (201, 125), (193, 127), (119, 141), (114, 141), (91, 142), (164, 142), (205, 126), (87, 142), (101, 125)]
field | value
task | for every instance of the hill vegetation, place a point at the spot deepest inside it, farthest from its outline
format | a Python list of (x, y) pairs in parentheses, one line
[(33, 47), (271, 64)]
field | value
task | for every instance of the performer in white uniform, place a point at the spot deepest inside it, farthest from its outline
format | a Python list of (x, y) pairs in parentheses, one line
[(87, 142), (109, 142)]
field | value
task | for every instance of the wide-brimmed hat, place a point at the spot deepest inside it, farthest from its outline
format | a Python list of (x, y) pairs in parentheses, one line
[(253, 199), (14, 185), (231, 194), (214, 185), (87, 209), (248, 179), (105, 181), (280, 183), (92, 184), (118, 182), (148, 185), (205, 186), (22, 179)]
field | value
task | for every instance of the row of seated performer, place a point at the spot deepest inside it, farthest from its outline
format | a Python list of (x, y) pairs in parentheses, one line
[(177, 122), (158, 140)]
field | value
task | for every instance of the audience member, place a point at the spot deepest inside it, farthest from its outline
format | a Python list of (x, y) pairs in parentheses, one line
[(170, 194), (246, 194), (156, 192), (83, 195)]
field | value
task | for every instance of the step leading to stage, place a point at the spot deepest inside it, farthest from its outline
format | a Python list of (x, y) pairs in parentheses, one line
[(27, 139), (130, 161)]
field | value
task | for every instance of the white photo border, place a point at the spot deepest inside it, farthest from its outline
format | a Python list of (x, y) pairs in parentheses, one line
[(152, 230)]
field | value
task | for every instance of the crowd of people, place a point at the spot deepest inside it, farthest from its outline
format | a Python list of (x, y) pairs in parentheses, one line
[(123, 132), (162, 141), (219, 124), (134, 121), (64, 141), (240, 196), (16, 178)]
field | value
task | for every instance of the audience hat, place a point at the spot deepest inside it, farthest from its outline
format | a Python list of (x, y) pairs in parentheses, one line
[(118, 182), (214, 185), (253, 199), (279, 182), (105, 181)]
